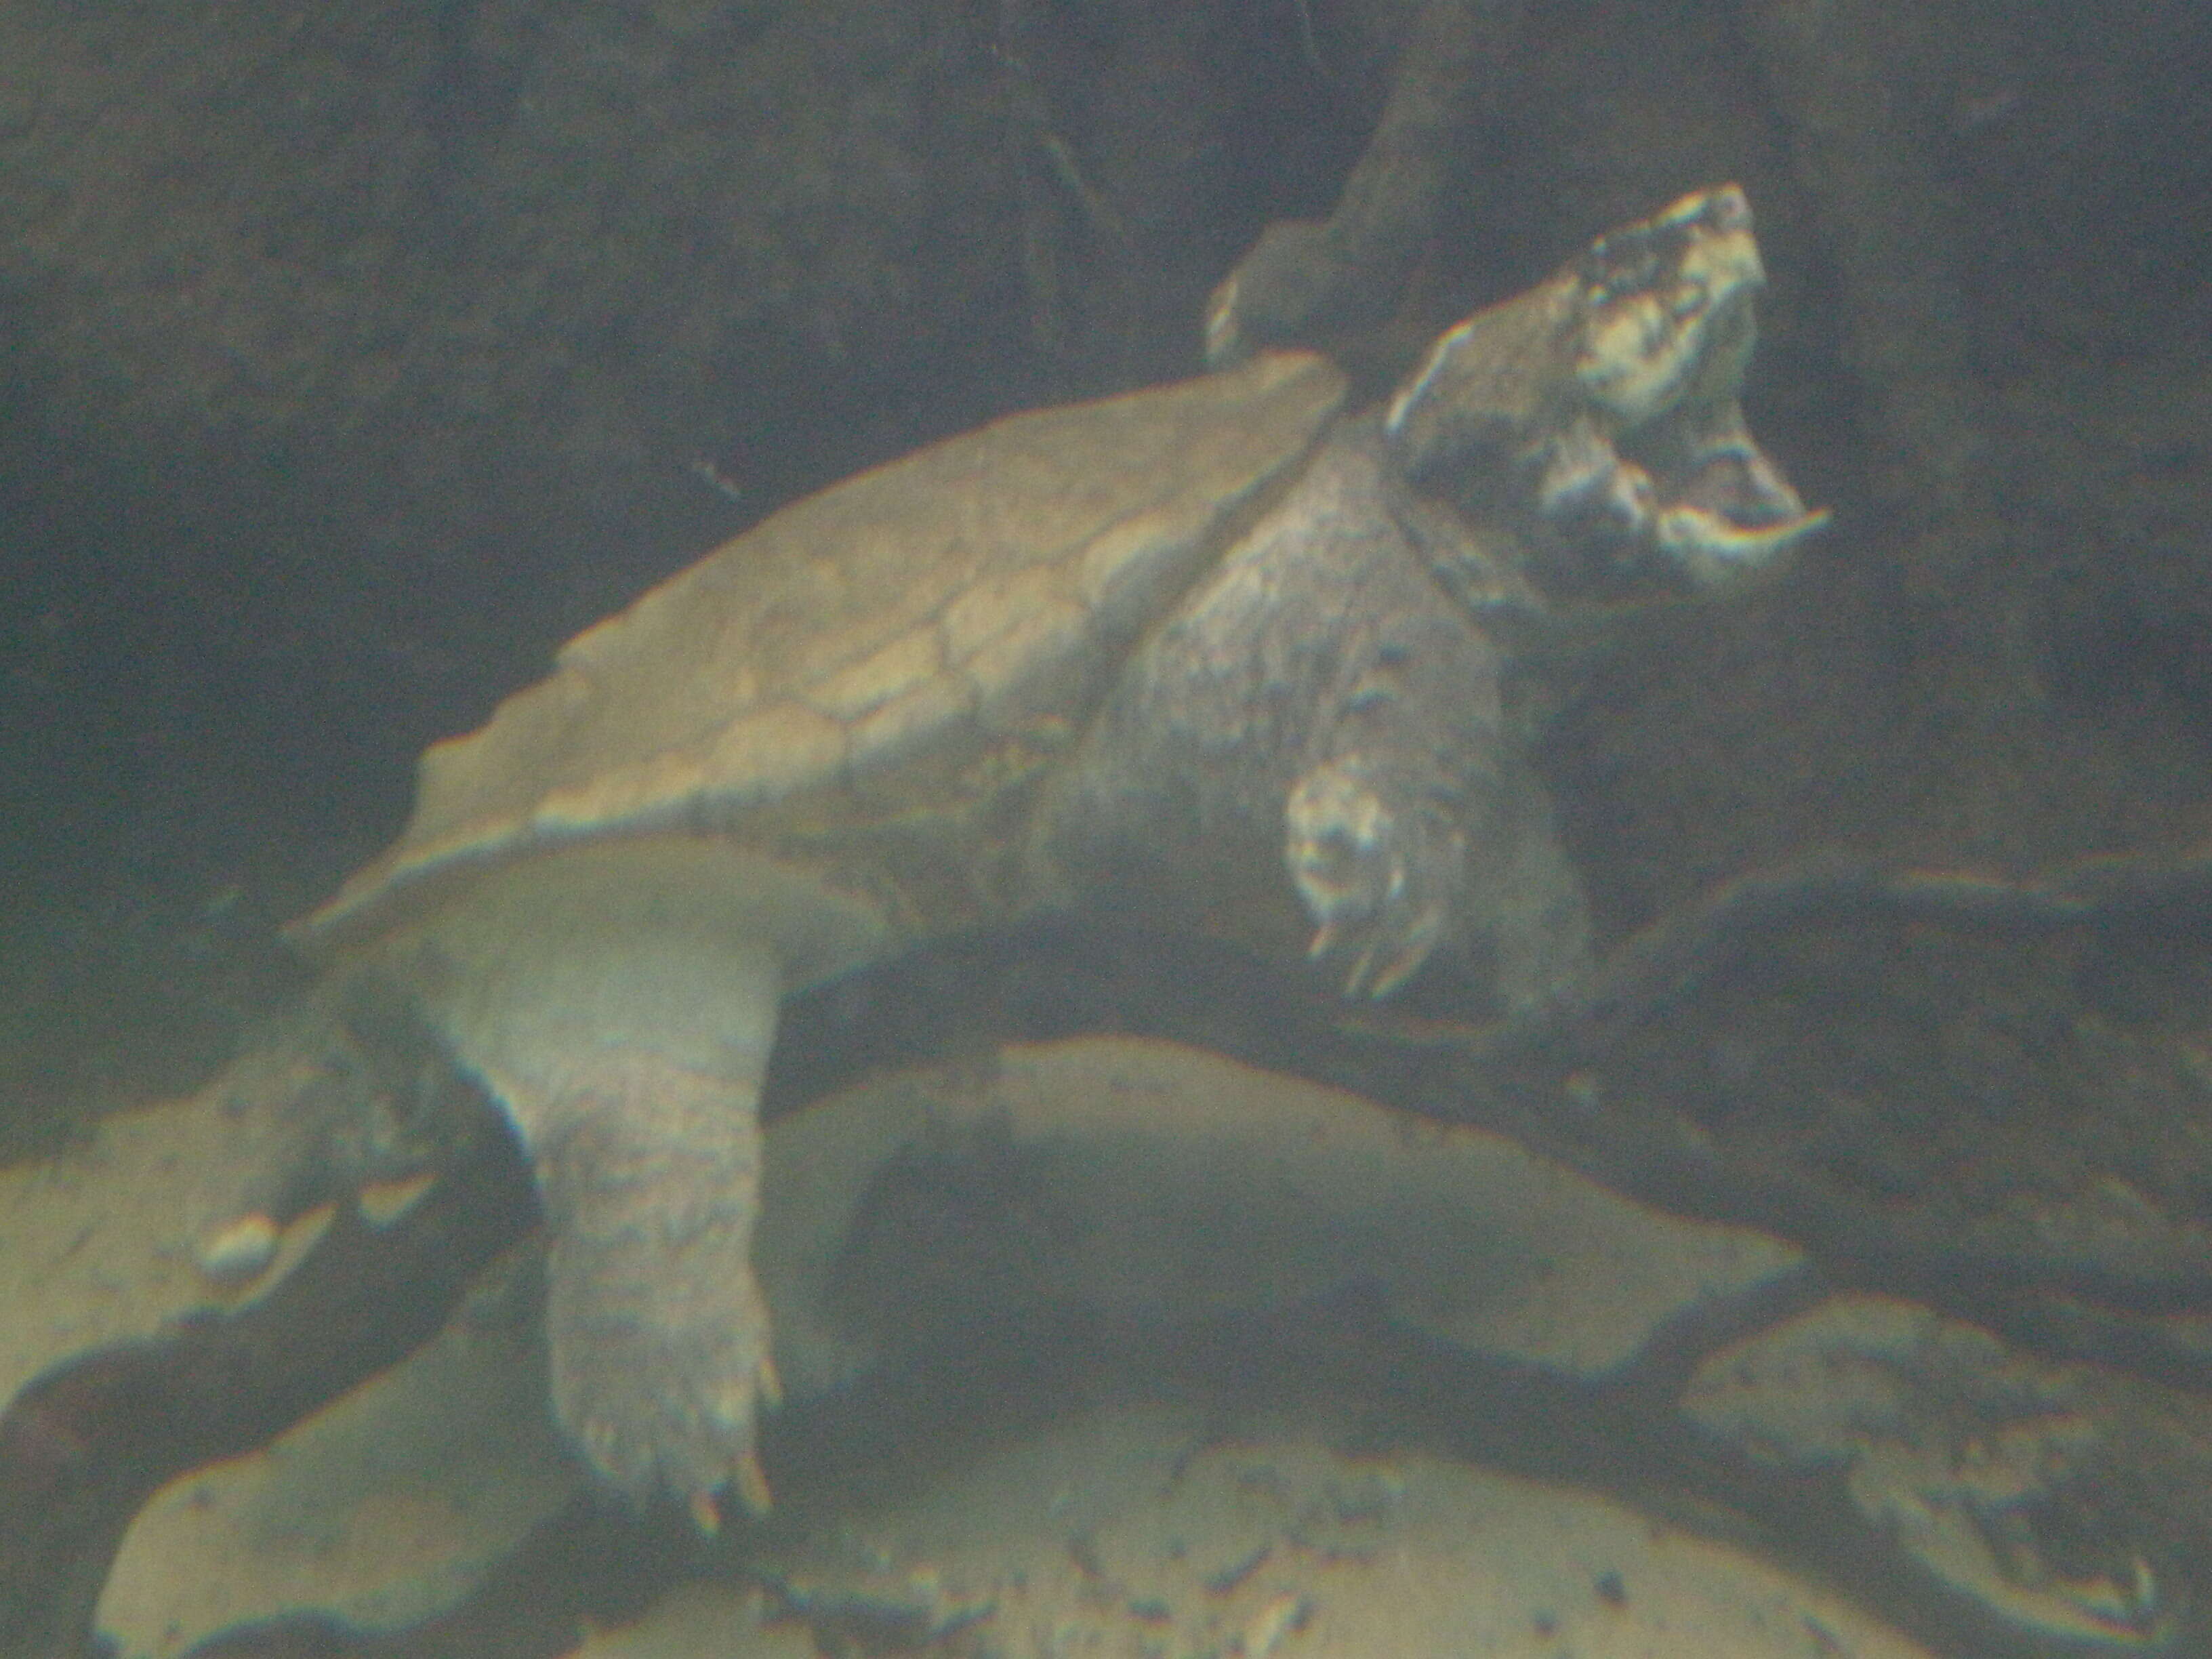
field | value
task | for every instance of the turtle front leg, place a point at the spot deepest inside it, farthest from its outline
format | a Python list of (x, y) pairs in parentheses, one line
[(1417, 824), (1388, 872)]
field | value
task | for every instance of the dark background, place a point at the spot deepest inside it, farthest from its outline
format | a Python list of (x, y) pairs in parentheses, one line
[(356, 355)]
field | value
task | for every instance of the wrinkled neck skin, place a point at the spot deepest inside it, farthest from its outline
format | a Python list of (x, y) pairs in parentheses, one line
[(1495, 429), (1319, 707)]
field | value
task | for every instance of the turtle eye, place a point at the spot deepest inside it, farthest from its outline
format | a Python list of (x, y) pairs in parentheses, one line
[(1644, 259), (1620, 265)]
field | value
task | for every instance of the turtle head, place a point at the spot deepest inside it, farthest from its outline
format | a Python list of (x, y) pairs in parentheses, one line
[(1665, 315), (1599, 411)]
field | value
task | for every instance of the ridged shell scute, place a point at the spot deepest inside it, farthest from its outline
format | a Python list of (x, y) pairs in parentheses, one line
[(867, 650)]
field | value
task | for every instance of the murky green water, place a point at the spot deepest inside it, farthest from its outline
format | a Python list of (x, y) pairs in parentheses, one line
[(1831, 1280)]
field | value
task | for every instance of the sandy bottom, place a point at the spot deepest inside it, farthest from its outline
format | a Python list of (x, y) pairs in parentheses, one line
[(1141, 1528), (1127, 1532)]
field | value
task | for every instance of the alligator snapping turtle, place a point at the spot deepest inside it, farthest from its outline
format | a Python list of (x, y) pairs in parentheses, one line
[(1129, 653)]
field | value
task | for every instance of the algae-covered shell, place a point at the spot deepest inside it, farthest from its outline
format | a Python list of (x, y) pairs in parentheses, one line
[(914, 641)]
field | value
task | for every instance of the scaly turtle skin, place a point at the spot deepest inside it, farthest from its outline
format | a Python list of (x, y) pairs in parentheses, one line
[(1146, 653)]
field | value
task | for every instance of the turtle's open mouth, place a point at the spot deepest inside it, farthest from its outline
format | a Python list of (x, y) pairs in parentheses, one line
[(1739, 486), (1734, 510), (1667, 333)]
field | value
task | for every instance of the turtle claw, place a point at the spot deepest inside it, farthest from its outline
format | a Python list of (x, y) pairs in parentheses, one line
[(750, 1484), (1378, 977), (1365, 873), (706, 1514), (1383, 965)]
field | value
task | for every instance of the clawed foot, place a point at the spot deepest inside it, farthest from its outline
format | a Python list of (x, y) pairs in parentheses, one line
[(1374, 881), (663, 1391), (656, 1329)]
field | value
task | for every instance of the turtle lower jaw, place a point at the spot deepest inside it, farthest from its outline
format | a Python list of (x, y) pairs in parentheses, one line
[(1717, 514), (1734, 512), (1711, 550)]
